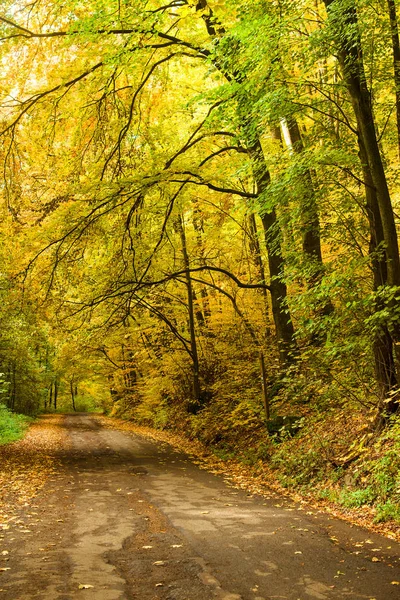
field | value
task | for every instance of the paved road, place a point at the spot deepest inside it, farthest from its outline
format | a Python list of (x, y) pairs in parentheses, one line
[(136, 520)]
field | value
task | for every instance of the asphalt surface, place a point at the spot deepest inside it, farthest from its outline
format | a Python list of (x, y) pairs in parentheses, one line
[(128, 518)]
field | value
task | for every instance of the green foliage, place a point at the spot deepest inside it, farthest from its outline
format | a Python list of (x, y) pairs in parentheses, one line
[(113, 138), (12, 425)]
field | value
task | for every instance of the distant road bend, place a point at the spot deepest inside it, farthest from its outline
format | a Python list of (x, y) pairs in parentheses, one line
[(128, 518)]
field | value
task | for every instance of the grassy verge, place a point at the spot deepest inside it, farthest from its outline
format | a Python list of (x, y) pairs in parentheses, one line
[(12, 426)]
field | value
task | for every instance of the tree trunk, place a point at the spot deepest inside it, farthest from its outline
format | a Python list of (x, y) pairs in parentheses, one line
[(50, 396), (394, 29), (385, 370), (380, 210), (312, 250), (193, 343), (280, 310), (13, 385), (256, 251), (350, 58), (55, 393), (72, 394), (197, 221), (311, 225)]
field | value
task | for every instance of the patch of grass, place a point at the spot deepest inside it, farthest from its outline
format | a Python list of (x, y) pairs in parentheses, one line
[(357, 498), (12, 425), (387, 511)]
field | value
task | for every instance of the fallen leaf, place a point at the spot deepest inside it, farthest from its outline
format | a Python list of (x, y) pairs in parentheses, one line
[(5, 569), (85, 586), (159, 563), (176, 545), (375, 559), (395, 582), (147, 547)]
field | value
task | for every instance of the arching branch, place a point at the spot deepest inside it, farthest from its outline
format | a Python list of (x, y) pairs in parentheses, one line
[(250, 286)]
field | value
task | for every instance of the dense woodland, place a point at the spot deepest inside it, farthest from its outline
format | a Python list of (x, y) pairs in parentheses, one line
[(200, 211)]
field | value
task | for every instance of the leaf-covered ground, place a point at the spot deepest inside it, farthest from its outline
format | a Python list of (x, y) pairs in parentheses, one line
[(26, 465), (258, 479)]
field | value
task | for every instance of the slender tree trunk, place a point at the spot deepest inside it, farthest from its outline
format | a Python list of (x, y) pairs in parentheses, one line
[(280, 310), (311, 225), (198, 227), (396, 60), (199, 313), (256, 250), (13, 385), (50, 396), (55, 393), (193, 343), (312, 250), (72, 394)]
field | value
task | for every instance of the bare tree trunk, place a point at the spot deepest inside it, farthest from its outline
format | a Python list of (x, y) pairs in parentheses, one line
[(13, 384), (280, 310), (55, 392), (72, 394), (50, 396), (256, 250), (193, 343), (198, 227)]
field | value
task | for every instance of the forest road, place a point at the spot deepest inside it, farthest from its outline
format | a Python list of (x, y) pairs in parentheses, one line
[(129, 518)]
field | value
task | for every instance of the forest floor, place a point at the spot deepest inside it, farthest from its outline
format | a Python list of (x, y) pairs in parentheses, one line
[(99, 513)]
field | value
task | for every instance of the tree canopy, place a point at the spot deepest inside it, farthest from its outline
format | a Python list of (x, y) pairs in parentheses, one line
[(192, 189)]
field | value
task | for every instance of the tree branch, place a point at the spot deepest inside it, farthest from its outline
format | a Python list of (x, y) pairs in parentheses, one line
[(251, 286)]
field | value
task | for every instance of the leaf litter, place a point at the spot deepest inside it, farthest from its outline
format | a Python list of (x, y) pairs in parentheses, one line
[(26, 465)]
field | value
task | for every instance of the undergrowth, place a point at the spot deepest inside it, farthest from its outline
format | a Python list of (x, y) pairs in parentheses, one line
[(319, 442), (12, 425)]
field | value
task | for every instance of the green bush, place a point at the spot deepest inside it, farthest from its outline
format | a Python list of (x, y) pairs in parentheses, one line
[(357, 498), (387, 511), (12, 426)]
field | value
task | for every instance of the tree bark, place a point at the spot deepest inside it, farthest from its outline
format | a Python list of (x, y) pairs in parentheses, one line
[(350, 58), (380, 210), (280, 310), (312, 250), (55, 392), (72, 394), (384, 364), (256, 250), (50, 396), (394, 29), (193, 344)]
